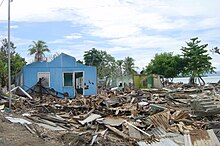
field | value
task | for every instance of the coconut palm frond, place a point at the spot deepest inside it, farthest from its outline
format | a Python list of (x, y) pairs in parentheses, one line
[(38, 48)]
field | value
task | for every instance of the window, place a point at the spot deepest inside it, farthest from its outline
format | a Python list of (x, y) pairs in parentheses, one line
[(68, 79), (45, 78)]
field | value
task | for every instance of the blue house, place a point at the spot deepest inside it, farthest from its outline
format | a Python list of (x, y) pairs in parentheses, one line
[(63, 74)]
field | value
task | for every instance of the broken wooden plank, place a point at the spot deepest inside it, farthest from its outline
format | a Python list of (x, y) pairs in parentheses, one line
[(118, 132), (81, 117), (41, 121), (58, 128), (94, 139), (29, 129), (18, 87), (17, 120), (134, 133), (91, 118), (51, 118), (112, 121), (138, 128)]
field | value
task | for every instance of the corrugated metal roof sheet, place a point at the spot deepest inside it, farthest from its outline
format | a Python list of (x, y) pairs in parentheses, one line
[(194, 138), (162, 142), (160, 133), (201, 138)]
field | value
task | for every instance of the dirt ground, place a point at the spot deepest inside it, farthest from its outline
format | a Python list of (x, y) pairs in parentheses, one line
[(17, 135)]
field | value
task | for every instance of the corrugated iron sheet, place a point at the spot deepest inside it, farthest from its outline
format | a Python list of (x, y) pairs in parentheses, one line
[(160, 120), (194, 138), (201, 138), (160, 133), (162, 142)]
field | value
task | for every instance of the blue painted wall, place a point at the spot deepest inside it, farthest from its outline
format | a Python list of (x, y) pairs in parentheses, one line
[(63, 63)]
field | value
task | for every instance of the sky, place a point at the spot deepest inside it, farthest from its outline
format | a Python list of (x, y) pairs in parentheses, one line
[(135, 28)]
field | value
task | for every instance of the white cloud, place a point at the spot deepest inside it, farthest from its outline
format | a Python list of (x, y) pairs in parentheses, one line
[(14, 26), (113, 14), (57, 41), (157, 42), (130, 26), (73, 36)]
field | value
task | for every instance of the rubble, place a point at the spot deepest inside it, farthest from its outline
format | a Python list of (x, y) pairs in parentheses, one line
[(174, 115)]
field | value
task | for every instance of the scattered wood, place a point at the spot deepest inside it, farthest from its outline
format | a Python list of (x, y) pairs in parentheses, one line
[(18, 87), (130, 115), (118, 132)]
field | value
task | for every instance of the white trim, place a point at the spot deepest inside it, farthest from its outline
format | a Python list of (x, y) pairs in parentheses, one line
[(74, 72), (73, 75), (83, 79), (43, 73)]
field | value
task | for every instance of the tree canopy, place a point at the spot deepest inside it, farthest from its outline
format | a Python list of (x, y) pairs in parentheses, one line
[(107, 65), (128, 66), (17, 62), (38, 48), (165, 64), (103, 61), (198, 61)]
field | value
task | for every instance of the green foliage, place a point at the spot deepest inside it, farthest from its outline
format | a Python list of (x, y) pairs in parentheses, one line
[(92, 57), (128, 66), (3, 73), (38, 48), (165, 64), (79, 61), (17, 62), (105, 63), (196, 58)]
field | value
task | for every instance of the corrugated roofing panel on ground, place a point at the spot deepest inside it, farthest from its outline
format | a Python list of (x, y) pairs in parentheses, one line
[(160, 133), (201, 138), (162, 142)]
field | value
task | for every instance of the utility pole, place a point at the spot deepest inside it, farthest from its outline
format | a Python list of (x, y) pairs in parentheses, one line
[(9, 56)]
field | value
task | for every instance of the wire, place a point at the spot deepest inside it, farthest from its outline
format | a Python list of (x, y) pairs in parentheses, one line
[(1, 3)]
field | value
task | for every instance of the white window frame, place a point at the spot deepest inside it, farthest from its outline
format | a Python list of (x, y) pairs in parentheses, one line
[(38, 74), (73, 81)]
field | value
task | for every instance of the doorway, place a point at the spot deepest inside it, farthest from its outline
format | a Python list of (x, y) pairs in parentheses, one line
[(79, 83)]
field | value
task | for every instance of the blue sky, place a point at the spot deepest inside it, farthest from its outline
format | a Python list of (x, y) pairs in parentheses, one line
[(135, 28)]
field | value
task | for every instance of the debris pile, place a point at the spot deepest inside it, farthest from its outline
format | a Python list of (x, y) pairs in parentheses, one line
[(175, 115)]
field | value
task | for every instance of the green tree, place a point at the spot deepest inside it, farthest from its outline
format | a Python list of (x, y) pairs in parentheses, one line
[(128, 66), (103, 61), (3, 73), (108, 65), (197, 60), (92, 57), (38, 48), (79, 61), (17, 62), (165, 64)]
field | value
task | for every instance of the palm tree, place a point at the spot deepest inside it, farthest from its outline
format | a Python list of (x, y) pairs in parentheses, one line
[(120, 63), (128, 66), (38, 48)]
